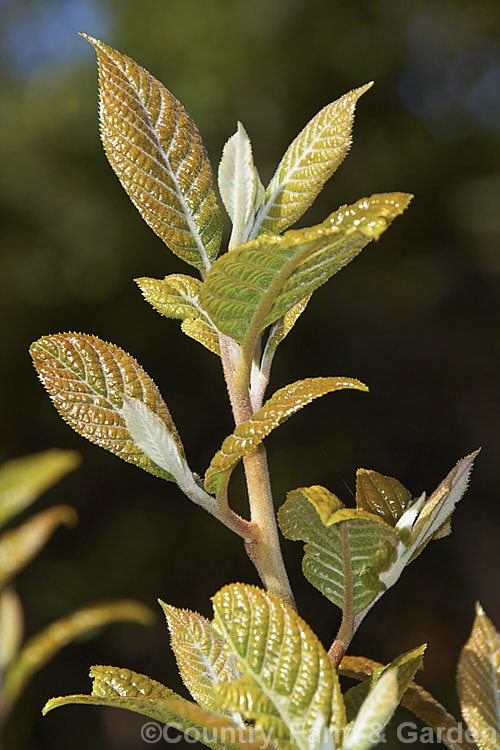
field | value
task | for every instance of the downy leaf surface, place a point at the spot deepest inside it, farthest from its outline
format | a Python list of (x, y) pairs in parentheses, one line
[(157, 153), (289, 685), (239, 184), (42, 647), (178, 296), (87, 379), (121, 688), (282, 327), (23, 480), (200, 654), (478, 681), (384, 496), (374, 714), (416, 699), (345, 550), (259, 282), (19, 546), (282, 404), (310, 160)]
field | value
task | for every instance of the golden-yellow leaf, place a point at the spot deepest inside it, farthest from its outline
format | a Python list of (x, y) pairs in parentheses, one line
[(478, 680), (158, 155), (87, 379), (282, 404)]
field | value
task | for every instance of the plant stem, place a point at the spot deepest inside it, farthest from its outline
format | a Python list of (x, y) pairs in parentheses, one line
[(346, 631), (264, 550)]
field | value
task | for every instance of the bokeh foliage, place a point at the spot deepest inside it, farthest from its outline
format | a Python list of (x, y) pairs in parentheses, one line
[(416, 318)]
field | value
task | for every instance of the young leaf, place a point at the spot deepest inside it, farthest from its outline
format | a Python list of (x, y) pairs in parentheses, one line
[(282, 404), (345, 550), (238, 184), (202, 332), (416, 699), (308, 163), (19, 546), (254, 285), (43, 646), (11, 627), (157, 153), (288, 683), (420, 522), (178, 296), (202, 660), (122, 688), (87, 379), (405, 667), (23, 480), (384, 496), (374, 714), (282, 327), (479, 682)]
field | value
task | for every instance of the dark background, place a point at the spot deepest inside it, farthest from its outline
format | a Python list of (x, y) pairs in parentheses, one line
[(416, 317)]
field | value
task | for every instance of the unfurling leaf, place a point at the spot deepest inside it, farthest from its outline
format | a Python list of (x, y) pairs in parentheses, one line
[(282, 404), (259, 282), (11, 627), (282, 327), (19, 546), (384, 496), (416, 699), (479, 682), (374, 714), (157, 153), (239, 184), (310, 160), (42, 647), (289, 685), (346, 549), (87, 379), (201, 657), (405, 667), (178, 296), (23, 480), (121, 688)]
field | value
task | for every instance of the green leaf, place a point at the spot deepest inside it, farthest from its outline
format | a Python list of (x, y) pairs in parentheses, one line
[(310, 160), (478, 680), (42, 647), (282, 404), (87, 379), (11, 627), (156, 151), (405, 667), (202, 660), (239, 184), (178, 296), (384, 496), (19, 546), (416, 699), (345, 550), (122, 688), (23, 480), (374, 714), (259, 282), (289, 686)]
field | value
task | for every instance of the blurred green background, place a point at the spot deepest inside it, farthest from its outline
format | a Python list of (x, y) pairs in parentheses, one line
[(416, 316)]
